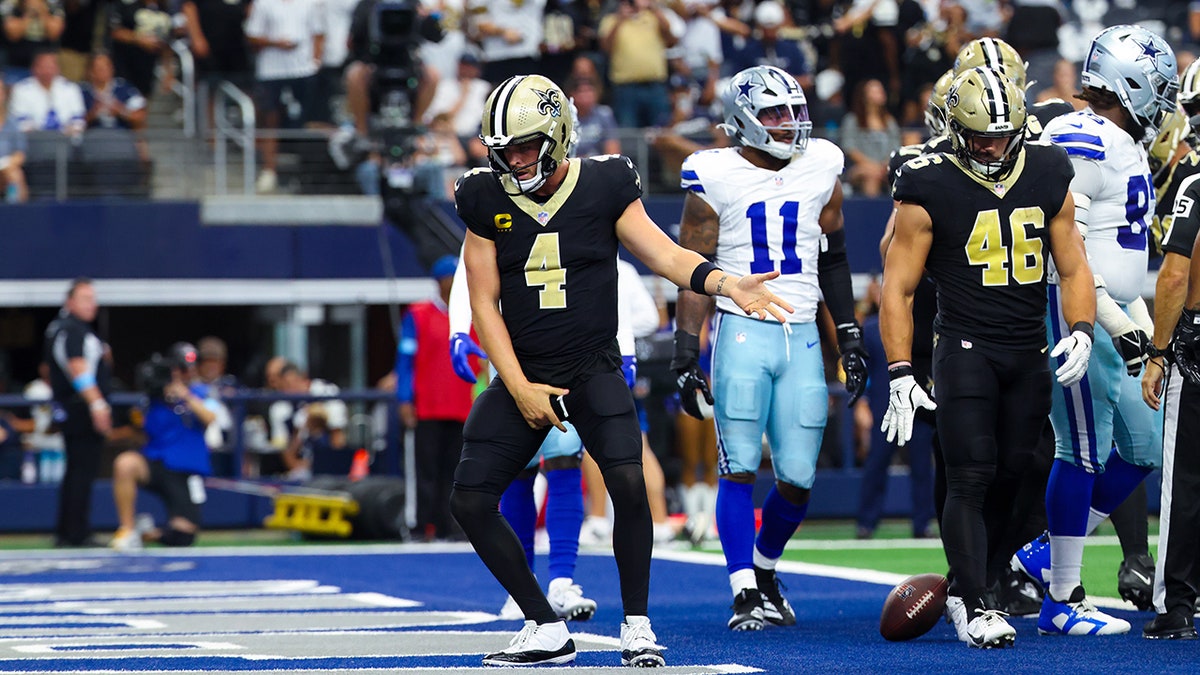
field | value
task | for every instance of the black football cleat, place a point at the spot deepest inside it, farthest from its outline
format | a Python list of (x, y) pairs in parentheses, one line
[(1135, 580), (1019, 595), (747, 610), (535, 645), (1169, 626), (776, 608)]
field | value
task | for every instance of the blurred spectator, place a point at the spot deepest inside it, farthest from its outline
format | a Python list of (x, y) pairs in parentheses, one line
[(596, 126), (47, 101), (510, 33), (360, 72), (765, 48), (30, 27), (315, 427), (636, 38), (869, 135), (930, 46), (12, 452), (13, 147), (78, 37), (214, 384), (217, 37), (329, 89), (439, 158), (442, 55), (140, 30), (559, 47), (986, 18), (1064, 85), (864, 48), (433, 402), (45, 438), (461, 97), (701, 41), (111, 103), (289, 37)]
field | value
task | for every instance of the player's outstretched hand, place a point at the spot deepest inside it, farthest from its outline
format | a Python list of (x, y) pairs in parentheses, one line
[(461, 349), (1077, 347), (751, 294), (533, 400), (906, 396)]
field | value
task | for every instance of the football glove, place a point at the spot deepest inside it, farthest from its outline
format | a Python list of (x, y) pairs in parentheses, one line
[(1135, 347), (689, 379), (854, 360), (461, 349), (1185, 345), (1076, 348), (629, 369), (905, 397)]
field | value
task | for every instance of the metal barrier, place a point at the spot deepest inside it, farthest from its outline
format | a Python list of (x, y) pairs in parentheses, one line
[(225, 131), (185, 86)]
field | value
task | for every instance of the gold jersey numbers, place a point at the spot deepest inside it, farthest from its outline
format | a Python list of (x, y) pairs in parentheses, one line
[(1022, 262), (544, 268)]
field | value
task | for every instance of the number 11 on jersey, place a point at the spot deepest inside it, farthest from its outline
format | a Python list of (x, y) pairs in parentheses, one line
[(789, 213)]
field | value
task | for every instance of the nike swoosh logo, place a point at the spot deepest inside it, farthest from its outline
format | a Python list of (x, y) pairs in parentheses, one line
[(1077, 125), (1145, 579), (810, 344)]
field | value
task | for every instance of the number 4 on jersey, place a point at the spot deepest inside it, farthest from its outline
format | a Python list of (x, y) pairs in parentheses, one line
[(544, 268)]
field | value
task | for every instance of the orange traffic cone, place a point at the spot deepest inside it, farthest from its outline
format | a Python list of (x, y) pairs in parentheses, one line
[(359, 466)]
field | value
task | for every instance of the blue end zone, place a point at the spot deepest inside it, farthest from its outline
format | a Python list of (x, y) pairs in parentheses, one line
[(837, 631)]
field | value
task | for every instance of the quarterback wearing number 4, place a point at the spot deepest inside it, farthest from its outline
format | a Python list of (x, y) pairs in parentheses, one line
[(981, 220), (542, 239), (773, 205)]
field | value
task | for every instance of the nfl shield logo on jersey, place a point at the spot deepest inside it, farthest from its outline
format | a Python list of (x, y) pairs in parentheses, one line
[(543, 217), (778, 181), (1000, 188)]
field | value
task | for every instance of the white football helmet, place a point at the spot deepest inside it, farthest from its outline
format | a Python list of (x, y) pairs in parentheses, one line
[(1139, 67), (759, 89)]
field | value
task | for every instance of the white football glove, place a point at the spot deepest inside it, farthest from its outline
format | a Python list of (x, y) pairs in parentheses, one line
[(1078, 349), (906, 396)]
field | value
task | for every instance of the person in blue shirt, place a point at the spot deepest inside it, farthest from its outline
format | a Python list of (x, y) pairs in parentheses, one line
[(174, 459)]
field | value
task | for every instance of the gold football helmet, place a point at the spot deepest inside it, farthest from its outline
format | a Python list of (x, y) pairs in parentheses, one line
[(935, 110), (527, 108), (995, 54), (1174, 130), (981, 107)]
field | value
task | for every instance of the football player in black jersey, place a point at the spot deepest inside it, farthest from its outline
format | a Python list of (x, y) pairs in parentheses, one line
[(542, 242), (980, 221)]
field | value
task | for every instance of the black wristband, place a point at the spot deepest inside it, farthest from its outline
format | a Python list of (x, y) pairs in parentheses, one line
[(700, 275), (1085, 328), (899, 369)]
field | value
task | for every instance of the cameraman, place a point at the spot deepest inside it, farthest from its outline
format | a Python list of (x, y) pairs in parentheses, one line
[(366, 51), (173, 460)]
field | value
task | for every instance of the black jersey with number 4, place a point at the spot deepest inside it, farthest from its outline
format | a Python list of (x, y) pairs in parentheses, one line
[(558, 264), (990, 243)]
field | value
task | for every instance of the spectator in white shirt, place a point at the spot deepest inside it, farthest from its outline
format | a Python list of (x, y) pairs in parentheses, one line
[(288, 37), (47, 101), (461, 97)]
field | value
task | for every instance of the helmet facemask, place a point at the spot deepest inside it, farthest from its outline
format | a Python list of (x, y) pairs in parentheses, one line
[(989, 166), (544, 165)]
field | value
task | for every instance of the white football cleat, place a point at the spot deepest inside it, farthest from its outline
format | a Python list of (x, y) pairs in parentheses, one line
[(989, 630), (547, 643), (639, 647), (566, 598)]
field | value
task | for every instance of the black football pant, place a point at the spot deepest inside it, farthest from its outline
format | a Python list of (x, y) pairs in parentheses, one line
[(498, 444), (1177, 574), (991, 409), (83, 452), (436, 447)]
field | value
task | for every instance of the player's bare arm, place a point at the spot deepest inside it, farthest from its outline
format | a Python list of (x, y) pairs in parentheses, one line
[(1169, 292), (831, 218), (902, 270), (483, 282), (698, 232), (1070, 257), (888, 231), (667, 259)]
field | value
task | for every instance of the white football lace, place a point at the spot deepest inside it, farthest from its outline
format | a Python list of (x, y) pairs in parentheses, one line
[(641, 632), (524, 636)]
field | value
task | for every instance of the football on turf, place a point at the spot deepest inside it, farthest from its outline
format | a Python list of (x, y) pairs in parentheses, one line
[(913, 607)]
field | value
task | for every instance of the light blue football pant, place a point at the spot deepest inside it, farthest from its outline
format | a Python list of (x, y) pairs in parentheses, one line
[(767, 380), (1104, 407)]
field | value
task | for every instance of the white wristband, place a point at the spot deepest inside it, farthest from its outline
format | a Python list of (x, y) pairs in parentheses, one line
[(99, 405)]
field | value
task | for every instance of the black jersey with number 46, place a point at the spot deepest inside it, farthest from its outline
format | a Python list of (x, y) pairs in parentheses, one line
[(558, 264), (990, 243)]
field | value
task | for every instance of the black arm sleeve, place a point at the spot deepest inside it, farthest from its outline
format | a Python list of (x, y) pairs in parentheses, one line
[(833, 273)]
